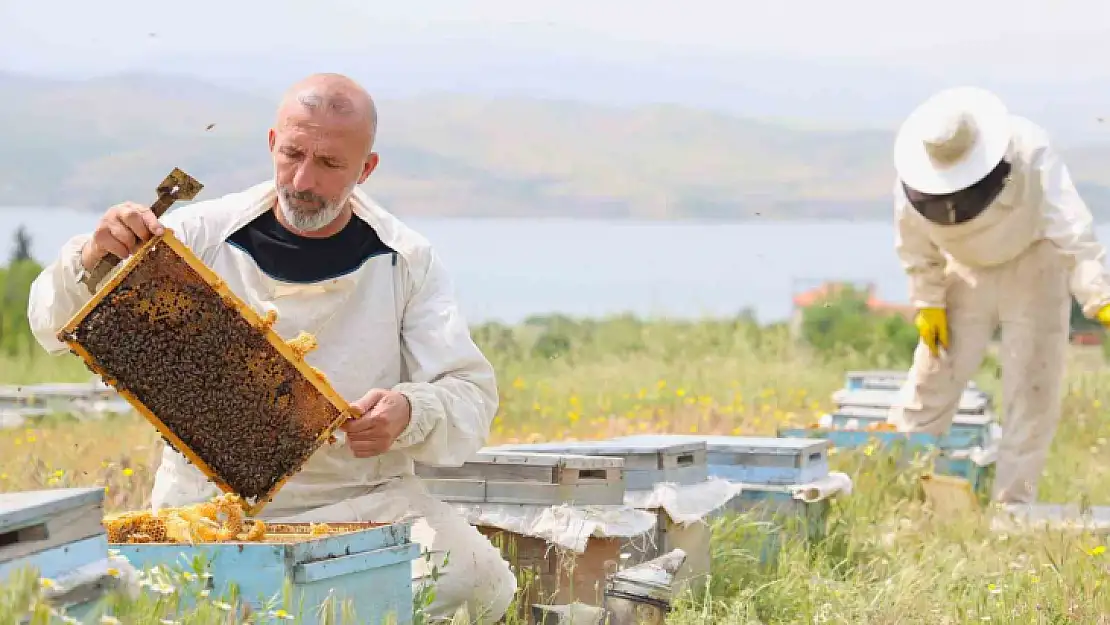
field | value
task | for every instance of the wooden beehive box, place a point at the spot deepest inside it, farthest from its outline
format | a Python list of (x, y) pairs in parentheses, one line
[(645, 463), (971, 402), (528, 478), (756, 460), (55, 532), (220, 385), (554, 576), (366, 567)]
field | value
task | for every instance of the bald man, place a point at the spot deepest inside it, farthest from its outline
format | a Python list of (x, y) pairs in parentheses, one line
[(310, 246)]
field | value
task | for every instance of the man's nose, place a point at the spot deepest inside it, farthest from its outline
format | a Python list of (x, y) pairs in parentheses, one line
[(303, 178)]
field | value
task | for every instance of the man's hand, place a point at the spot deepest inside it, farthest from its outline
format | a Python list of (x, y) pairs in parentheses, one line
[(932, 326), (120, 232), (1103, 316), (385, 414)]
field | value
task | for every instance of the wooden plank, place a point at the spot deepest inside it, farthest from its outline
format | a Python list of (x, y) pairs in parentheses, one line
[(694, 539), (525, 472), (358, 562), (647, 479), (482, 471), (636, 454), (372, 536), (555, 576), (570, 460), (553, 494), (533, 493)]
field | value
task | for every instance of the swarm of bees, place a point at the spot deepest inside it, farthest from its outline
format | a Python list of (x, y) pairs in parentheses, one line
[(218, 520), (166, 336)]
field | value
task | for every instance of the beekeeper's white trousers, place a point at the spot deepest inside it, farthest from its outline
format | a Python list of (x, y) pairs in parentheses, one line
[(475, 575), (1029, 298)]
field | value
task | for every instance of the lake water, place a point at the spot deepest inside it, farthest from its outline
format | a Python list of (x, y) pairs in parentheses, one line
[(508, 269)]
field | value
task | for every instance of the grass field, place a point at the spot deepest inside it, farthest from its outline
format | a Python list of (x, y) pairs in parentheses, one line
[(886, 558)]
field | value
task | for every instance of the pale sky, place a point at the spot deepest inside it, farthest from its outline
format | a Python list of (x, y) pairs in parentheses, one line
[(1067, 35)]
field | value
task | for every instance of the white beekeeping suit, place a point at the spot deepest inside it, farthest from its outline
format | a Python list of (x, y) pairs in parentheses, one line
[(993, 235)]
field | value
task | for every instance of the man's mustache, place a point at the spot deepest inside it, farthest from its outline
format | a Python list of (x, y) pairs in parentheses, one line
[(305, 196)]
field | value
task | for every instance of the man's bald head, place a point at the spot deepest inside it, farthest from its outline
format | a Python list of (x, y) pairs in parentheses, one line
[(323, 146), (334, 97)]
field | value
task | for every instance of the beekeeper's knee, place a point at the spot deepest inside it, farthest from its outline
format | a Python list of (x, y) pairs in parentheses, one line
[(471, 571)]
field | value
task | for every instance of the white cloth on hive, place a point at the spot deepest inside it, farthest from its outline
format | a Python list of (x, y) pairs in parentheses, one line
[(566, 526), (835, 483), (686, 503)]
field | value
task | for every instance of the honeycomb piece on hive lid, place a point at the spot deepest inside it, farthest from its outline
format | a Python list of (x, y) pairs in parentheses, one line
[(220, 385)]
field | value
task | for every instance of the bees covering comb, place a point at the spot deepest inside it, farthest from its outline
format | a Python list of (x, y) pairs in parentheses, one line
[(220, 385)]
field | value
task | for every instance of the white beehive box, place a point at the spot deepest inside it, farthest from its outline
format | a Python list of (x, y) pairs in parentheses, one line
[(498, 476)]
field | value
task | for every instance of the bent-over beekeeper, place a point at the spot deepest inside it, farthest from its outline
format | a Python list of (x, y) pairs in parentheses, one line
[(994, 236)]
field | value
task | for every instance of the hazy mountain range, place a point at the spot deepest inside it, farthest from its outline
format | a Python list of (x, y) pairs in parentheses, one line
[(90, 143)]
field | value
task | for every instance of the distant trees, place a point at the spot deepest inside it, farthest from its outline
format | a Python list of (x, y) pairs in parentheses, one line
[(844, 326), (15, 288)]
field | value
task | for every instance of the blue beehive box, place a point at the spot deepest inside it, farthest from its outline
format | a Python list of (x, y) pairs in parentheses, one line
[(646, 463), (884, 380), (975, 426), (778, 514), (953, 447), (756, 460), (874, 379), (915, 441), (971, 401), (366, 566), (56, 532)]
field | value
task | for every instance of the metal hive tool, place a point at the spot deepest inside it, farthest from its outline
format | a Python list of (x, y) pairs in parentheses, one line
[(208, 372)]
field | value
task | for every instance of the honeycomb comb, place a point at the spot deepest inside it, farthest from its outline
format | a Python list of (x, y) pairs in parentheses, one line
[(209, 373)]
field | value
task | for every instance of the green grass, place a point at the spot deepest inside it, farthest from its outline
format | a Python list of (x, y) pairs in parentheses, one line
[(885, 559)]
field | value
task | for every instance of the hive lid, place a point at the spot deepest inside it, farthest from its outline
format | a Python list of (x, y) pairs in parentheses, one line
[(725, 443), (550, 459), (20, 509), (208, 372), (612, 447)]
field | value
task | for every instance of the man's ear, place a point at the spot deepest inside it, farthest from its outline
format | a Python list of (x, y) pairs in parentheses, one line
[(273, 140), (368, 167)]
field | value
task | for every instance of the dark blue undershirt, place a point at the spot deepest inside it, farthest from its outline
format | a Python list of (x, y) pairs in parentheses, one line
[(289, 257)]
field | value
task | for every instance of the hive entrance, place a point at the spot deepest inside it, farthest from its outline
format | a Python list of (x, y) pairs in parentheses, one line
[(220, 385)]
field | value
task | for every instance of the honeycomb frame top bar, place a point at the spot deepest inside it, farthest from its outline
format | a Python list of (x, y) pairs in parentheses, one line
[(295, 392)]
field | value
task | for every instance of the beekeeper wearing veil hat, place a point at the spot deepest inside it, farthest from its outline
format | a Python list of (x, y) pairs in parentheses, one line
[(992, 234)]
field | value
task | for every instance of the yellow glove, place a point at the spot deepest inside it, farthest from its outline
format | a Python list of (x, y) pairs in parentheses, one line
[(1103, 316), (932, 325)]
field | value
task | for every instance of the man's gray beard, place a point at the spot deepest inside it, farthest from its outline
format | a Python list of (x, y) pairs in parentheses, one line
[(308, 222), (316, 220)]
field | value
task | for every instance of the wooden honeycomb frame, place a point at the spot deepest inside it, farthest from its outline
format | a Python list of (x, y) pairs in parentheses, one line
[(229, 298)]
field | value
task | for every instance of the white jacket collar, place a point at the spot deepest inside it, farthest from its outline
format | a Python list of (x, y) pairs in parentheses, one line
[(261, 197)]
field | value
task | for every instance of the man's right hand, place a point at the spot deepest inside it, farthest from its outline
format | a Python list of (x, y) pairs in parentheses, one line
[(932, 326), (120, 232)]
